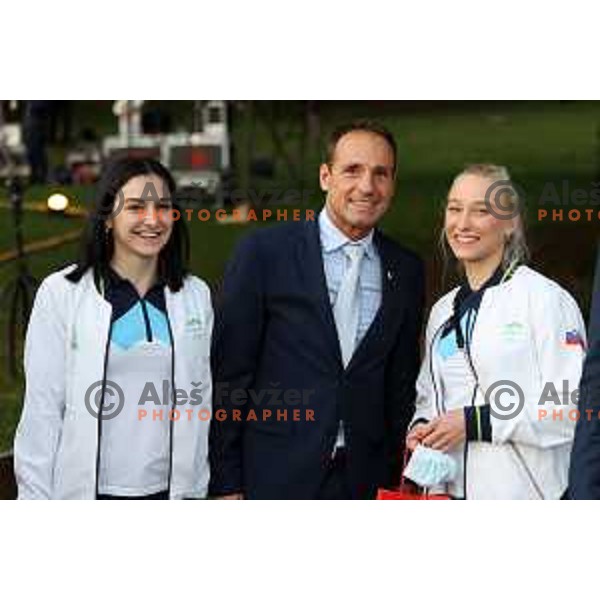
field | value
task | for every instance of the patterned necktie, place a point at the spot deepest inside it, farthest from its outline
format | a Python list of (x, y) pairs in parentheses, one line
[(345, 311), (346, 308)]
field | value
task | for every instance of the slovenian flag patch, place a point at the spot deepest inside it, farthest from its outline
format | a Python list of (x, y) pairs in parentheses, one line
[(573, 338)]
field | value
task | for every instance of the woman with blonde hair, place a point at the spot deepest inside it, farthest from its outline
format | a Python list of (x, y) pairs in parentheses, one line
[(494, 415)]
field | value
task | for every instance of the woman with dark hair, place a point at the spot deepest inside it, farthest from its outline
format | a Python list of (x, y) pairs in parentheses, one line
[(117, 356)]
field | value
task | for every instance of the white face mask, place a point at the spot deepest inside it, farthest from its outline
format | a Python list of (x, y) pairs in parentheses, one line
[(428, 467)]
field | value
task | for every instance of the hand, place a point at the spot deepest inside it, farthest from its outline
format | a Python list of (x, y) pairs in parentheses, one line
[(236, 496), (417, 434), (448, 431)]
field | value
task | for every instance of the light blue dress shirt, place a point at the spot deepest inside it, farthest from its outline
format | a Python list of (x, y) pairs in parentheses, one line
[(336, 262)]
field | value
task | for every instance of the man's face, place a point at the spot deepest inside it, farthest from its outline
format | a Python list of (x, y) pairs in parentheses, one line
[(359, 182)]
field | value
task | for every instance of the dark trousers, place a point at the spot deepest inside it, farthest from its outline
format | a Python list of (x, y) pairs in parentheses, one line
[(335, 485)]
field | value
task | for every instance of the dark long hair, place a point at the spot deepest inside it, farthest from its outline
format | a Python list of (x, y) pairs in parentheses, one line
[(97, 243)]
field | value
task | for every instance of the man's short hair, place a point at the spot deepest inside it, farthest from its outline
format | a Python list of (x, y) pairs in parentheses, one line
[(360, 125)]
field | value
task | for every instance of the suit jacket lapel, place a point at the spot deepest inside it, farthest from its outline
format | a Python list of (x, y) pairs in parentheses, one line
[(393, 303), (310, 256)]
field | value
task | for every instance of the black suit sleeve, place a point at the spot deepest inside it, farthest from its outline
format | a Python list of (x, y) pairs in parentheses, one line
[(401, 375), (584, 474), (239, 322)]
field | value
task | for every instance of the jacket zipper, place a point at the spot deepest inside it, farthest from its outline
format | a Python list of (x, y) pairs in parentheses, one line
[(146, 320), (101, 406), (439, 398), (469, 330), (170, 476), (431, 369)]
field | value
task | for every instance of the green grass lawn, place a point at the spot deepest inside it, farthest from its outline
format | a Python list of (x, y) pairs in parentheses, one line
[(539, 142)]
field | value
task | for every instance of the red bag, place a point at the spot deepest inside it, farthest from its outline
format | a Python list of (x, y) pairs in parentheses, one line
[(407, 491)]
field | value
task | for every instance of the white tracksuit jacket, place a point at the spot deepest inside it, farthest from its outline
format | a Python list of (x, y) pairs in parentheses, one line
[(526, 332), (57, 441)]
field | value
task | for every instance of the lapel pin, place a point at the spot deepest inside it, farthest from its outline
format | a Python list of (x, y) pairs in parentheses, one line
[(389, 275)]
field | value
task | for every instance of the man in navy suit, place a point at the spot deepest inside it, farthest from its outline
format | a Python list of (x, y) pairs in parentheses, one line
[(320, 317)]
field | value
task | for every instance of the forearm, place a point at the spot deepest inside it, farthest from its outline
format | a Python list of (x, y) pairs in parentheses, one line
[(35, 451)]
